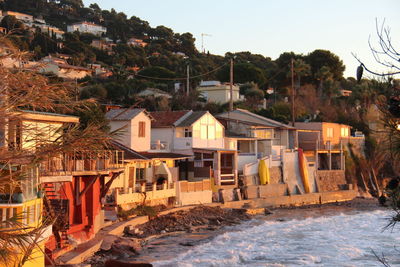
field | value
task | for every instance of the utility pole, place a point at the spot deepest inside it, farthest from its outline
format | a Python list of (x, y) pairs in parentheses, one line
[(187, 79), (293, 92), (231, 87)]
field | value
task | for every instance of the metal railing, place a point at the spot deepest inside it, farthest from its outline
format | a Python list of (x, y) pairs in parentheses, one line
[(82, 160)]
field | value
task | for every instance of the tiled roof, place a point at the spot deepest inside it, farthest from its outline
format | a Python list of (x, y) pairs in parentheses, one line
[(123, 114), (166, 118), (192, 118)]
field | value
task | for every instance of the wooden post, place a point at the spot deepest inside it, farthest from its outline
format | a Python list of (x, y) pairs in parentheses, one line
[(165, 185), (154, 186), (143, 187)]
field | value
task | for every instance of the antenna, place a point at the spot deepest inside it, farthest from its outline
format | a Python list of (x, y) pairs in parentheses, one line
[(202, 41)]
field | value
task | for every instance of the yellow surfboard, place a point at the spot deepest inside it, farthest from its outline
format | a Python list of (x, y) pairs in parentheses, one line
[(304, 171), (263, 172)]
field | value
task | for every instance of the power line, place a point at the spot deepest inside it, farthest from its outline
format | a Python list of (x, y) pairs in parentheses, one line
[(183, 78)]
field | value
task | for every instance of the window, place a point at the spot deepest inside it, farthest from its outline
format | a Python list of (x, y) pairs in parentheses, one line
[(140, 174), (219, 131), (179, 132), (344, 132), (142, 129), (188, 132), (329, 132)]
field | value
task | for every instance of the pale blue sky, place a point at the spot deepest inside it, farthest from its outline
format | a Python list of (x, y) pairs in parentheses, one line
[(272, 27)]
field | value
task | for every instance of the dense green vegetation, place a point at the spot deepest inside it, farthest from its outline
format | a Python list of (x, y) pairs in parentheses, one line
[(318, 74)]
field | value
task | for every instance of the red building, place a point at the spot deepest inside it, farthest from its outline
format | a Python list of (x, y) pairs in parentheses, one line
[(75, 187)]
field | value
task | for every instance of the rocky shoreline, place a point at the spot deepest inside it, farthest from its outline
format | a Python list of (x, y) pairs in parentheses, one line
[(201, 220)]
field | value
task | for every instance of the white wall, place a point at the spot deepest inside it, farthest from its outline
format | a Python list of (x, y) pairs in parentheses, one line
[(203, 140), (164, 135), (291, 172), (140, 143), (124, 132)]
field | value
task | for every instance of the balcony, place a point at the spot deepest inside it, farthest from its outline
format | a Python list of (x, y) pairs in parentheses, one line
[(82, 162), (159, 146), (143, 191)]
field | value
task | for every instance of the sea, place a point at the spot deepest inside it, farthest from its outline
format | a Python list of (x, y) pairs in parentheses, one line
[(348, 239)]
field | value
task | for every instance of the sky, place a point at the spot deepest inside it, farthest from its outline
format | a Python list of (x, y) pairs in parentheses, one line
[(270, 27)]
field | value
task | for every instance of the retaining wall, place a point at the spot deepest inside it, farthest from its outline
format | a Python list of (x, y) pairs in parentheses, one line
[(330, 180)]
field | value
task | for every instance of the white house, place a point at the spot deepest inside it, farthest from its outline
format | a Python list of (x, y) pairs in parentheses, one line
[(134, 126), (62, 69), (200, 134), (87, 27), (150, 176), (215, 91), (155, 92), (257, 136)]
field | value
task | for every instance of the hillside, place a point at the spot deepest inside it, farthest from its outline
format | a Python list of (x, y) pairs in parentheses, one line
[(162, 57)]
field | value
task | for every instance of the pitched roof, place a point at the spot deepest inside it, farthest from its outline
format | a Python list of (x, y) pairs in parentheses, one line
[(252, 118), (123, 114), (192, 118), (128, 153), (166, 118)]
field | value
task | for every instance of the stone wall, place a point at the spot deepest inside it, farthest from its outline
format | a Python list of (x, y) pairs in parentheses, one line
[(275, 175), (330, 180)]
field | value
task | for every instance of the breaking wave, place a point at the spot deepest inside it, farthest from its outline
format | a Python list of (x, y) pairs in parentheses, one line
[(340, 240)]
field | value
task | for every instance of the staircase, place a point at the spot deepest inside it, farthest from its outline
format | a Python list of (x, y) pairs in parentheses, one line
[(58, 209)]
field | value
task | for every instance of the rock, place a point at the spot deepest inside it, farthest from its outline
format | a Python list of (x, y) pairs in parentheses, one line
[(127, 229), (117, 263), (267, 211), (126, 246), (108, 240), (186, 244)]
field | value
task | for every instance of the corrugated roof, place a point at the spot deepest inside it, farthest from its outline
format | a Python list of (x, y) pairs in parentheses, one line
[(132, 154), (165, 155), (123, 114), (166, 118), (192, 118), (249, 118)]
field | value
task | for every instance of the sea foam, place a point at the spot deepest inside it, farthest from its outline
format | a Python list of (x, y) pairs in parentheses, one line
[(339, 240)]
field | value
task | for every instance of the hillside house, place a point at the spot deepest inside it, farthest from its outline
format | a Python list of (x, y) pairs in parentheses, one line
[(215, 91), (256, 136), (136, 42), (199, 134), (154, 92), (72, 182), (149, 176), (106, 45), (62, 69), (20, 16), (324, 144), (87, 27)]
